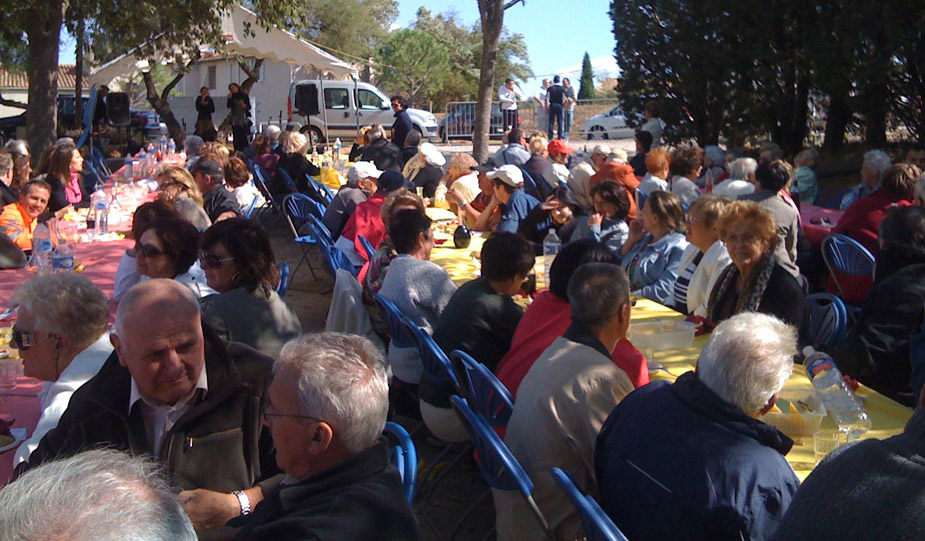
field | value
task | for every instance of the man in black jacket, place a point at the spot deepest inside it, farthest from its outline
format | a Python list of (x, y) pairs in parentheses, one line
[(328, 404), (175, 391), (380, 151), (402, 125)]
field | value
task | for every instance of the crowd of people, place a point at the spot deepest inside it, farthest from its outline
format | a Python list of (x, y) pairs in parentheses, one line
[(269, 433)]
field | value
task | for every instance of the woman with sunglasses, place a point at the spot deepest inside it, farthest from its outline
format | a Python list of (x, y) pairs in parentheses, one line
[(177, 185), (167, 249), (127, 274), (239, 264)]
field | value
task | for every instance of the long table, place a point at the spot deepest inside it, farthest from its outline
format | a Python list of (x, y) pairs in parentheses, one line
[(888, 417)]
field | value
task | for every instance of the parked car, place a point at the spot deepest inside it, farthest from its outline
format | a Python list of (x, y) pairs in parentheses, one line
[(609, 125), (459, 122)]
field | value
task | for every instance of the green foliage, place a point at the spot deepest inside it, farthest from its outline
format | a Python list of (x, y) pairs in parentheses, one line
[(415, 58), (586, 90)]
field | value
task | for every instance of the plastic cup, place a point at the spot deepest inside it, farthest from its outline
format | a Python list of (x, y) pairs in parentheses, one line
[(827, 440)]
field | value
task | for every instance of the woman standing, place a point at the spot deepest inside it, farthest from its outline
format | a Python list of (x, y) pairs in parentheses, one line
[(240, 105), (205, 128)]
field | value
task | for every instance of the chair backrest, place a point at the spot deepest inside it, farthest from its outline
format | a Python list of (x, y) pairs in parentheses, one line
[(487, 395), (283, 285), (404, 457), (368, 247), (249, 211), (337, 260), (323, 192), (287, 179), (398, 331), (597, 525), (846, 257), (497, 465), (828, 320), (437, 366), (303, 209), (261, 179), (301, 205)]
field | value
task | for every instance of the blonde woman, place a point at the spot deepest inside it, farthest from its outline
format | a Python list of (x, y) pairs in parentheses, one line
[(461, 181), (213, 150), (293, 162), (176, 184)]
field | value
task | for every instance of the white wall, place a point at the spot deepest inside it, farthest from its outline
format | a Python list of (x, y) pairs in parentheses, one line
[(23, 97)]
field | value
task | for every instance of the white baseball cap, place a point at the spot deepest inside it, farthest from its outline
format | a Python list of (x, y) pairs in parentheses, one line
[(431, 154), (509, 174), (361, 170)]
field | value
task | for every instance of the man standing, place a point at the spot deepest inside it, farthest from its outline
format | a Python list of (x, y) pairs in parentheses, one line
[(219, 203), (20, 219), (100, 113), (175, 391), (692, 456), (571, 100), (328, 405), (539, 99), (563, 401), (509, 94), (401, 126), (555, 107)]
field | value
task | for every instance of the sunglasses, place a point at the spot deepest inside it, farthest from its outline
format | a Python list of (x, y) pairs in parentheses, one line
[(23, 340), (148, 250), (212, 261)]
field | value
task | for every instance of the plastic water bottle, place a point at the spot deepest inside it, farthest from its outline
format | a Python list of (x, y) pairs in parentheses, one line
[(839, 400), (41, 249), (171, 147), (62, 259), (100, 211), (551, 247)]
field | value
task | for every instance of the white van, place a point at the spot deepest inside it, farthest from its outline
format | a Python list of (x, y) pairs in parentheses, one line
[(348, 105)]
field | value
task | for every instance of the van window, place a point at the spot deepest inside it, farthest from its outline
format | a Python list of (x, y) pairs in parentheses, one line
[(369, 100), (336, 98)]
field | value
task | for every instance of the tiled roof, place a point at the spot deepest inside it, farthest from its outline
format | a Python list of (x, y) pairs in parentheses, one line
[(18, 79)]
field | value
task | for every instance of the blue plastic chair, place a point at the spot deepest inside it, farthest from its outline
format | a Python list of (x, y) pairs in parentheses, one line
[(261, 181), (287, 179), (304, 205), (487, 395), (437, 366), (249, 211), (299, 207), (497, 465), (337, 260), (320, 189), (283, 285), (368, 247), (847, 257), (828, 320), (596, 523), (398, 331), (404, 458)]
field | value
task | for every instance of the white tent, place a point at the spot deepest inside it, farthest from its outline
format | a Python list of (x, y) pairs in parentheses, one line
[(274, 44)]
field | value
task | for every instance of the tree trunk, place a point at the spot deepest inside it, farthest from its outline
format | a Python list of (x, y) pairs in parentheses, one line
[(837, 118), (491, 13), (43, 29), (253, 73), (160, 104), (79, 72), (877, 101)]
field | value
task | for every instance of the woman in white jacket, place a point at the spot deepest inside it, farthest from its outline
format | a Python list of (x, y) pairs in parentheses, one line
[(704, 258)]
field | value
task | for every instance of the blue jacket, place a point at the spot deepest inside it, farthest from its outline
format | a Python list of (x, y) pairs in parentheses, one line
[(655, 271), (678, 462), (516, 210)]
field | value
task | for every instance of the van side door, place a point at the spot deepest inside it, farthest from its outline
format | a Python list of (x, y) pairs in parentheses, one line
[(340, 111)]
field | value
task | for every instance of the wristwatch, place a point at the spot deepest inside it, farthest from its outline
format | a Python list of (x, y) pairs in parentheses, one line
[(243, 501)]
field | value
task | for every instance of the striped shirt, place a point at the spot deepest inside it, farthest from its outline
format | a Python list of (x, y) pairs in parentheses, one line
[(684, 280)]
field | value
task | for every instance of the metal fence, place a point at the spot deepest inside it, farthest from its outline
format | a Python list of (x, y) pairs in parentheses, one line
[(591, 119)]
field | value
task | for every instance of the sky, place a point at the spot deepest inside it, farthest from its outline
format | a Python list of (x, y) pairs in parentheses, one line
[(557, 34)]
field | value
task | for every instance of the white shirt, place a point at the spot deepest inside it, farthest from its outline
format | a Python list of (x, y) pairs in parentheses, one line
[(733, 188), (160, 418), (655, 126), (56, 395), (195, 279), (651, 183), (509, 97)]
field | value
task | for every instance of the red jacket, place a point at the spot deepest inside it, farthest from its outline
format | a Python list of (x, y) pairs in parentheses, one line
[(623, 174), (862, 219)]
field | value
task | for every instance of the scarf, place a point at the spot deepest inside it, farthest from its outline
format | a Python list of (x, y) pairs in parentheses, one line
[(72, 189), (751, 294)]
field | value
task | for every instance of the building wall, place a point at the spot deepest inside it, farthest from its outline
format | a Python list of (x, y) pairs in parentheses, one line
[(18, 95)]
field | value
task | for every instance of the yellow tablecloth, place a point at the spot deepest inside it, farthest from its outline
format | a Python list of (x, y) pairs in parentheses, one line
[(888, 417)]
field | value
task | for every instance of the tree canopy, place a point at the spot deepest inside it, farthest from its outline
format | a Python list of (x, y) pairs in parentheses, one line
[(586, 89)]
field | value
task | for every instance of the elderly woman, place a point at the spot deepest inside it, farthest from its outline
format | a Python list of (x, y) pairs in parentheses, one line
[(741, 179), (64, 175), (239, 264), (192, 145), (264, 155), (686, 164), (652, 252), (873, 169), (294, 162), (714, 167), (167, 249), (22, 167), (60, 332), (426, 176), (862, 219), (461, 180), (657, 165), (755, 281), (176, 184), (608, 223), (704, 258)]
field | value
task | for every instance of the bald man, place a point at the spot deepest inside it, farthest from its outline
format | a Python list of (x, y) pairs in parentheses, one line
[(174, 390)]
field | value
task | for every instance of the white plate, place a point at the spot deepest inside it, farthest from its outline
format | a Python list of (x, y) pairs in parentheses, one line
[(19, 434)]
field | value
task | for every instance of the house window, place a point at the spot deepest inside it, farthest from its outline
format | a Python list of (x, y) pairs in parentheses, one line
[(211, 77)]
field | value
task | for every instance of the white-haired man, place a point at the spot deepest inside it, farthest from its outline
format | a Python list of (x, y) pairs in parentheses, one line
[(361, 181), (328, 405), (176, 391), (99, 495), (579, 177), (692, 456), (873, 169), (382, 152), (563, 401), (60, 332)]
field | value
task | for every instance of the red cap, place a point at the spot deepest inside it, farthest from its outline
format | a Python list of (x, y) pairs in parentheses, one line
[(558, 146)]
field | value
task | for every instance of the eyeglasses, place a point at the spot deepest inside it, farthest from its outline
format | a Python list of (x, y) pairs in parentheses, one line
[(23, 340), (148, 250), (209, 260), (269, 414)]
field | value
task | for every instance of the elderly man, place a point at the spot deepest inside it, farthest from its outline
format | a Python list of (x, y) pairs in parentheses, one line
[(385, 154), (7, 193), (875, 165), (192, 145), (580, 175), (361, 181), (563, 401), (218, 202), (508, 185), (693, 457), (60, 333), (366, 220), (95, 495), (514, 152), (328, 405), (176, 391), (19, 220)]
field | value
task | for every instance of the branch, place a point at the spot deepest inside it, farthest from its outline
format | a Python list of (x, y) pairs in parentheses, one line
[(13, 103), (182, 73), (513, 3)]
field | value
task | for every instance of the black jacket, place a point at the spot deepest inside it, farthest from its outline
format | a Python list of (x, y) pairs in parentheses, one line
[(401, 127), (297, 165), (220, 444), (384, 154), (428, 178), (360, 498), (8, 194)]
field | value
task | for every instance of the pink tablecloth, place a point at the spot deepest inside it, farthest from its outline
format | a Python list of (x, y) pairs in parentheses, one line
[(816, 232), (22, 406)]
